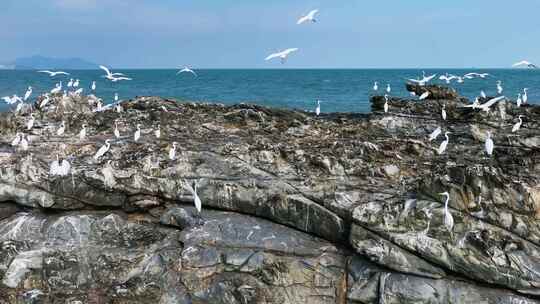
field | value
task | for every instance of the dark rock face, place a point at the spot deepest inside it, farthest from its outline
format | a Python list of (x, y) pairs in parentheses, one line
[(342, 208), (435, 91)]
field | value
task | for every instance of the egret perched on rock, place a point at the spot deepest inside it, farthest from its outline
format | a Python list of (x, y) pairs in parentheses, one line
[(30, 122), (309, 17), (388, 89), (76, 83), (318, 108), (116, 97), (82, 133), (15, 142), (57, 89), (375, 86), (24, 142), (525, 96), (424, 95), (61, 130), (93, 87), (283, 55), (444, 144), (103, 149), (489, 144), (518, 101), (172, 151), (28, 93), (70, 83), (443, 112), (116, 131), (196, 199), (499, 87), (137, 134), (435, 134), (385, 103), (157, 132), (58, 168), (518, 124), (448, 219), (45, 101)]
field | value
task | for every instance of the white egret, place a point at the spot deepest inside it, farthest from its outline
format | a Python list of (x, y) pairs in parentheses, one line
[(485, 106), (28, 93), (187, 70), (518, 124), (24, 142), (424, 95), (499, 87), (61, 130), (444, 144), (318, 108), (70, 83), (525, 95), (59, 168), (489, 144), (385, 103), (76, 83), (388, 89), (435, 134), (116, 97), (82, 133), (196, 199), (116, 131), (30, 123), (447, 78), (45, 101), (114, 77), (137, 134), (518, 101), (15, 142), (525, 63), (422, 82), (443, 112), (52, 74), (309, 17), (375, 86), (119, 108), (282, 55), (10, 100), (93, 87), (103, 149), (172, 151), (473, 75), (448, 219), (157, 132), (57, 89)]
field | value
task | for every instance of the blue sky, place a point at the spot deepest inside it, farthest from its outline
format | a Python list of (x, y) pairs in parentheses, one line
[(241, 33)]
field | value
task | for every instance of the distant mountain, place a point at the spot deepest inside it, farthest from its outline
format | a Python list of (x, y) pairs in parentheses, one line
[(40, 62)]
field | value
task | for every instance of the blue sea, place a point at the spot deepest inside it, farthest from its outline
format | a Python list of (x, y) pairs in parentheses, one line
[(339, 90)]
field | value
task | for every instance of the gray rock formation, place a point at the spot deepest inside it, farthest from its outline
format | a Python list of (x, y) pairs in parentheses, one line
[(341, 208)]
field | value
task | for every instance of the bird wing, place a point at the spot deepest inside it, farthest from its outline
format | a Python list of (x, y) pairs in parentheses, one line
[(414, 80), (48, 72), (272, 56), (105, 69), (312, 13), (288, 51), (429, 78), (302, 20), (524, 62), (61, 73)]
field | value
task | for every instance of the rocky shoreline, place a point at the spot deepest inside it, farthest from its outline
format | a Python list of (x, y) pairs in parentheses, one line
[(340, 208)]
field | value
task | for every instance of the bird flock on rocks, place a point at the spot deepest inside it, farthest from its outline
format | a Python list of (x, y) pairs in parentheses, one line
[(62, 167)]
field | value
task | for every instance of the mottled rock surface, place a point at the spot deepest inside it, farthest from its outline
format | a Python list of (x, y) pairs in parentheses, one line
[(340, 208)]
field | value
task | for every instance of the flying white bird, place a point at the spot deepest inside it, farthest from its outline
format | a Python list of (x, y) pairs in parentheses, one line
[(103, 149), (525, 96), (422, 82), (82, 133), (444, 144), (448, 219), (11, 100), (443, 112), (282, 55), (518, 101), (114, 77), (375, 86), (28, 93), (388, 89), (447, 78), (172, 151), (52, 74), (196, 199), (424, 95), (187, 70), (489, 103), (116, 131), (518, 124), (435, 134), (489, 144), (61, 130), (525, 63), (157, 132), (59, 168), (93, 86), (137, 134), (309, 17), (30, 122), (473, 75), (499, 87), (318, 108)]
